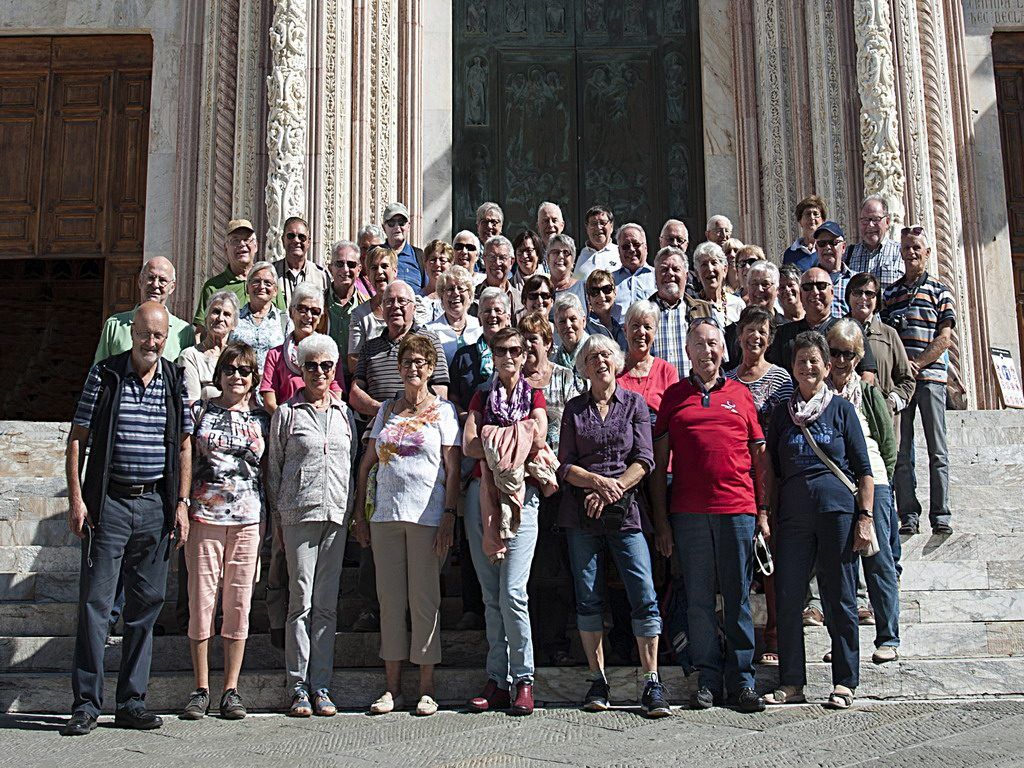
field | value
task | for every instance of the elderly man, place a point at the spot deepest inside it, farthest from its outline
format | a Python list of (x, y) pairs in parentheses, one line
[(816, 296), (240, 247), (410, 258), (342, 296), (762, 288), (368, 238), (719, 229), (830, 245), (922, 311), (678, 309), (489, 221), (295, 268), (498, 260), (600, 252), (156, 283), (876, 252), (634, 280), (674, 234), (810, 213), (549, 221), (134, 493)]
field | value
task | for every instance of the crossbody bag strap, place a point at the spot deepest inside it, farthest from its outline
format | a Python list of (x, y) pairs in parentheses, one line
[(827, 461)]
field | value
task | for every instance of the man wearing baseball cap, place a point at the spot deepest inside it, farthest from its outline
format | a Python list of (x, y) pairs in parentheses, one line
[(410, 259), (830, 245)]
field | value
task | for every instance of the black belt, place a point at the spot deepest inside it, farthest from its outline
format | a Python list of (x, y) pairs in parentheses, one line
[(115, 488)]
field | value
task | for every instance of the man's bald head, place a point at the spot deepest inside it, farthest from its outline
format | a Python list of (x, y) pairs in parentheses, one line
[(156, 280), (149, 335)]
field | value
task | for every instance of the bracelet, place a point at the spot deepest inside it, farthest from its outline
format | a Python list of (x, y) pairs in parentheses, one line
[(451, 511), (763, 508), (865, 513)]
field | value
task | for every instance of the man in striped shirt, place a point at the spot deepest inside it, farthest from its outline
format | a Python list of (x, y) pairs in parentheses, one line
[(134, 492), (921, 310)]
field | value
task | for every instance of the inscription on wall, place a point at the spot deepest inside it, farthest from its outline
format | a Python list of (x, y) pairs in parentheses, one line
[(984, 15)]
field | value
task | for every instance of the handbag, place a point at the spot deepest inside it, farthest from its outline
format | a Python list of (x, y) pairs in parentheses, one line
[(612, 516), (370, 505), (872, 547)]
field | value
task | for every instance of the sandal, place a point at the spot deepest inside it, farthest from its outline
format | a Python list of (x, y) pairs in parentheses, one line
[(300, 705), (839, 700), (322, 704), (768, 659), (786, 695)]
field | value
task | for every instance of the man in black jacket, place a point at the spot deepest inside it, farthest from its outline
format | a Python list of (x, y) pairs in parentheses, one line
[(134, 493)]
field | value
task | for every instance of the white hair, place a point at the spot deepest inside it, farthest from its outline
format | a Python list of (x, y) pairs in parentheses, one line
[(476, 239), (490, 293), (224, 297), (258, 267), (174, 272), (317, 345), (764, 267), (567, 301), (717, 217), (876, 198), (341, 245), (667, 252), (672, 223), (546, 204), (306, 292), (597, 342), (565, 240), (455, 275), (702, 322), (709, 251), (643, 309), (631, 225), (486, 208), (395, 285), (373, 230), (500, 241)]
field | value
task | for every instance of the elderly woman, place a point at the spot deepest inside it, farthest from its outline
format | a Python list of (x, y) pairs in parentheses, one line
[(473, 363), (455, 327), (414, 444), (200, 361), (467, 251), (734, 282), (789, 294), (368, 318), (570, 327), (308, 473), (505, 401), (605, 453), (601, 318), (819, 521), (261, 325), (846, 348), (225, 520), (538, 295), (643, 373), (711, 266), (560, 255), (529, 251), (437, 257), (282, 371), (746, 257)]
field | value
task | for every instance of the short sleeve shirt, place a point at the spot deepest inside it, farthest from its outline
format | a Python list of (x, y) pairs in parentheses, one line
[(926, 304), (710, 437)]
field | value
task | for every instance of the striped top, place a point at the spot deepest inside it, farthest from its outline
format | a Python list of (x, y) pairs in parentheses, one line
[(927, 304), (138, 452), (377, 370)]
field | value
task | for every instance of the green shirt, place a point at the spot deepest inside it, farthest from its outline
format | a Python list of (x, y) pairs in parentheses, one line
[(339, 317), (225, 281), (116, 336)]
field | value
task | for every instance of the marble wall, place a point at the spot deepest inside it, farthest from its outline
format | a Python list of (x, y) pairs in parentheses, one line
[(437, 120)]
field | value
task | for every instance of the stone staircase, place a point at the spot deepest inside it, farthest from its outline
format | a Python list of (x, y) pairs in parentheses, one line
[(962, 599)]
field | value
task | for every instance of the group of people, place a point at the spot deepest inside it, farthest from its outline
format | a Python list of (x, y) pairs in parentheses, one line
[(594, 432)]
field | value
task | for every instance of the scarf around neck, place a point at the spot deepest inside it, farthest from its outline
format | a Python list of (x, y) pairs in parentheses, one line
[(290, 353), (852, 391), (804, 413), (507, 410)]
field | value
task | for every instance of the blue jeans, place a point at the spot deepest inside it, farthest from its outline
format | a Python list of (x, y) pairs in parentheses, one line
[(717, 550), (506, 605), (880, 573), (633, 561), (930, 399)]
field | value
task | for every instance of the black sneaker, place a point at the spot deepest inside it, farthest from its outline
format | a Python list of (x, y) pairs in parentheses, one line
[(653, 701), (198, 705), (703, 698), (231, 707), (747, 700), (597, 697), (909, 529), (942, 529)]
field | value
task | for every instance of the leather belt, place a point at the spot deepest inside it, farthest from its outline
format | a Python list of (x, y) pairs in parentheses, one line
[(131, 491)]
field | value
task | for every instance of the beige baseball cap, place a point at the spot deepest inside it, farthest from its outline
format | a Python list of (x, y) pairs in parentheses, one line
[(236, 224), (395, 209)]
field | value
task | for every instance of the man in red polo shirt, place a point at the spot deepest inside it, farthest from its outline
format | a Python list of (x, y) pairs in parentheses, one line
[(708, 425)]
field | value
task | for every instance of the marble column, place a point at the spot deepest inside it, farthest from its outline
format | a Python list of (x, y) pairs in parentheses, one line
[(247, 187), (410, 113)]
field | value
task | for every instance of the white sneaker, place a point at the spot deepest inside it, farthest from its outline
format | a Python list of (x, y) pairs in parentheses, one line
[(387, 703), (426, 706), (885, 653)]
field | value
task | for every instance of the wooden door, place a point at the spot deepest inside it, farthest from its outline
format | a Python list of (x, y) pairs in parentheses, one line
[(74, 134)]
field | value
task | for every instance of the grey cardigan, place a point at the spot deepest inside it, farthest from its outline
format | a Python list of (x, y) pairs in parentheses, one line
[(309, 471)]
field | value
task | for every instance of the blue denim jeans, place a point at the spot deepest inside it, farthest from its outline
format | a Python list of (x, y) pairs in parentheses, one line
[(506, 605), (717, 551), (930, 399), (633, 561), (880, 573)]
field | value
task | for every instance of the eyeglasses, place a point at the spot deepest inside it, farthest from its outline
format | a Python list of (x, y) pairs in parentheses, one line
[(915, 231), (603, 354), (564, 253), (876, 220), (491, 222), (456, 290), (417, 363), (242, 370), (262, 283), (401, 303), (864, 293), (302, 309), (709, 320), (747, 262), (508, 351), (345, 264), (324, 366), (830, 243), (817, 285), (597, 290), (539, 295), (296, 236), (158, 281), (465, 247), (842, 354), (236, 241)]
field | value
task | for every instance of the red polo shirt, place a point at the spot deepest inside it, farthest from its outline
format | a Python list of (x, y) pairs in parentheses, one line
[(710, 438)]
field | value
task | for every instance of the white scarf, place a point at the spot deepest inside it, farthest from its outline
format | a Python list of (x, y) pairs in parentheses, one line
[(852, 391), (806, 412)]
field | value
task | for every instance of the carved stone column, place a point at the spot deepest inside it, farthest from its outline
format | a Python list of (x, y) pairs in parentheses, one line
[(286, 124), (410, 113), (879, 124), (246, 195)]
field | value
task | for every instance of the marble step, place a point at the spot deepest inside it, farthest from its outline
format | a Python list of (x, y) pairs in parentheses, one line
[(356, 689)]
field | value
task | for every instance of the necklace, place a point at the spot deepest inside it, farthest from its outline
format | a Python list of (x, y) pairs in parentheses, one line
[(415, 406)]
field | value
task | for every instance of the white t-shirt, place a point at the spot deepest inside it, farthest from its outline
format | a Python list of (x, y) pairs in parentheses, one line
[(410, 469)]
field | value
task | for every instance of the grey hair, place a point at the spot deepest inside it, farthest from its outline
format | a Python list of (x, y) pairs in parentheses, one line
[(810, 340), (695, 325), (876, 198), (258, 267), (923, 236), (715, 218), (500, 241), (305, 291), (709, 251), (392, 287), (566, 302), (476, 239), (373, 230), (565, 240), (342, 245), (224, 297), (489, 293), (671, 223), (318, 345), (455, 275), (849, 331), (546, 204), (671, 250), (630, 225), (733, 242), (643, 309), (596, 342), (765, 267), (486, 208)]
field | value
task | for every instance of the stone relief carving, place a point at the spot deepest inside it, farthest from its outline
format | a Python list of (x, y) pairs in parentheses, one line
[(286, 123), (476, 91), (676, 17), (383, 108), (476, 17), (634, 20), (554, 17), (480, 174), (515, 16), (594, 16), (679, 180), (246, 194), (676, 89)]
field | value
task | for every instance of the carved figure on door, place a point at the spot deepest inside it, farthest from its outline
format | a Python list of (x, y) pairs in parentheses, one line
[(476, 92)]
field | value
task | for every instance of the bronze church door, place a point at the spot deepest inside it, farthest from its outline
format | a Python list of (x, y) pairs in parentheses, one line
[(74, 138), (581, 103)]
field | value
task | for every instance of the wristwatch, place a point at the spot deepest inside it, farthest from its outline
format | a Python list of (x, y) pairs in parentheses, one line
[(451, 511), (762, 507), (865, 513), (184, 500)]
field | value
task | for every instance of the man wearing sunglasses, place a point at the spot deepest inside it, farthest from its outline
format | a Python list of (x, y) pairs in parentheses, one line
[(830, 245), (876, 252), (410, 258), (295, 269)]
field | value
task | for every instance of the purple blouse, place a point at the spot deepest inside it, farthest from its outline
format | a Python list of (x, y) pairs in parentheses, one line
[(603, 447)]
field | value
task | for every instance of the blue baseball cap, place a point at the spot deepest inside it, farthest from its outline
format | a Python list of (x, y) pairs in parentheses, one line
[(832, 228)]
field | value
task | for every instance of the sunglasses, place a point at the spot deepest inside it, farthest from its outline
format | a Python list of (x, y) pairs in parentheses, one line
[(296, 236), (345, 264), (241, 370), (818, 285), (829, 242), (747, 262), (597, 290), (508, 351), (324, 366), (539, 295), (864, 293), (464, 247), (842, 354), (915, 231), (397, 221), (312, 311)]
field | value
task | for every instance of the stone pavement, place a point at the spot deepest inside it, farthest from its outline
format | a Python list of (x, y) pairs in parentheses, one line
[(984, 732)]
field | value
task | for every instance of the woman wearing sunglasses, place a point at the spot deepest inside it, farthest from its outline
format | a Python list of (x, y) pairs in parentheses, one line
[(308, 493), (601, 319), (225, 523)]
